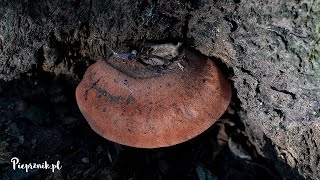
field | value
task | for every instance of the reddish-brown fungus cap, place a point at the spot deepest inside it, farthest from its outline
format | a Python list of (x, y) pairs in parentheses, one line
[(157, 110)]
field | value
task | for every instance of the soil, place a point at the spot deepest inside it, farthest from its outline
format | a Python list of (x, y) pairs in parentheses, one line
[(269, 50)]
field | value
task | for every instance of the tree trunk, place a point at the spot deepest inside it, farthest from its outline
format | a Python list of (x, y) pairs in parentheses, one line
[(270, 48)]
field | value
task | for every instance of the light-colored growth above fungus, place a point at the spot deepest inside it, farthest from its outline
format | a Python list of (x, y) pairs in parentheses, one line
[(153, 109)]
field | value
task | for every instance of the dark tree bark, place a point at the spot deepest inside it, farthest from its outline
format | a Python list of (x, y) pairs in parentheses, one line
[(270, 48)]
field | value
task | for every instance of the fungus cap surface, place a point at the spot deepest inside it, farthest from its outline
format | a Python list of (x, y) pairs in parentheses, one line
[(157, 110)]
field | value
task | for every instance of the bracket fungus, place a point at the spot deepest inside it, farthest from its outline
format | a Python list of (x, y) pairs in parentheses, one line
[(147, 106)]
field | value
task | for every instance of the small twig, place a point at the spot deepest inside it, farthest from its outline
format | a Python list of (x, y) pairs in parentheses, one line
[(181, 67)]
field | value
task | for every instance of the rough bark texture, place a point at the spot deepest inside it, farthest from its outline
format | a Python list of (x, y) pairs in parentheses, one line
[(271, 47)]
